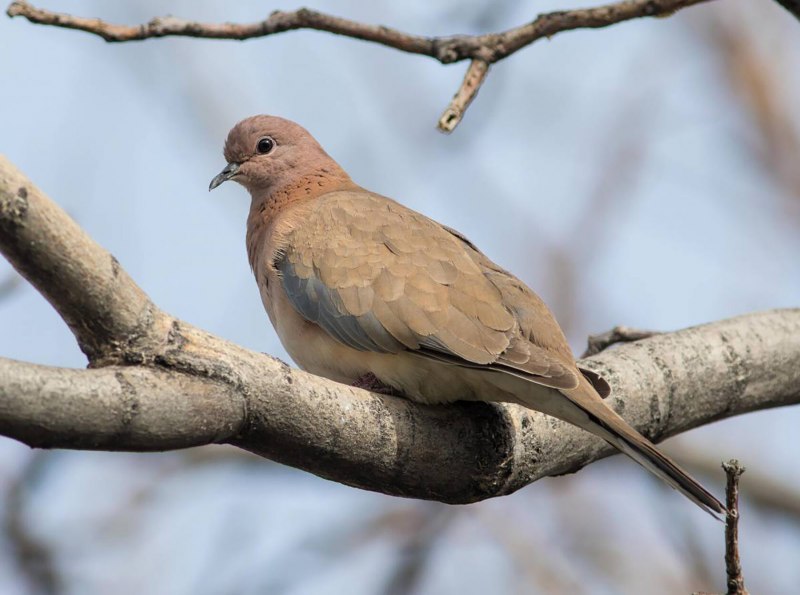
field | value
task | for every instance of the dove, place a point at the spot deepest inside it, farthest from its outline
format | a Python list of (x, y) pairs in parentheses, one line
[(365, 291)]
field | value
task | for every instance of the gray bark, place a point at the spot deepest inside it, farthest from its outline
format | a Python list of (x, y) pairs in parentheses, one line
[(157, 383)]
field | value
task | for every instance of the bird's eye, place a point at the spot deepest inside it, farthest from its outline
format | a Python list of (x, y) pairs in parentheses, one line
[(265, 145)]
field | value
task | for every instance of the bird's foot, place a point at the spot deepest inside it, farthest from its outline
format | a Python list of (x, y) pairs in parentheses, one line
[(371, 383), (618, 334)]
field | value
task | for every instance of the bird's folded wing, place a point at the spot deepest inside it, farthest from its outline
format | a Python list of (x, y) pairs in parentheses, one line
[(379, 277)]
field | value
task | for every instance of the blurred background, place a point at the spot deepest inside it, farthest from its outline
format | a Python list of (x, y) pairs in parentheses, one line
[(645, 174)]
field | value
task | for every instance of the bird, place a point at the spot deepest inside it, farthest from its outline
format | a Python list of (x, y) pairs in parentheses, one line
[(365, 291)]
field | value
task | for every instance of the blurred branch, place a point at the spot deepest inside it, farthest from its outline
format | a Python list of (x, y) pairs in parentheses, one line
[(541, 571), (692, 550), (157, 383), (416, 527), (621, 163), (417, 551), (759, 83), (32, 555), (481, 50), (8, 285)]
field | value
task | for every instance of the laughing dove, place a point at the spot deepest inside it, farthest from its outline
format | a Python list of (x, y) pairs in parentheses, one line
[(358, 286)]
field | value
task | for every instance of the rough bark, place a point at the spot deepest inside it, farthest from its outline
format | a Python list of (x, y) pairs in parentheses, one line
[(481, 50), (158, 383)]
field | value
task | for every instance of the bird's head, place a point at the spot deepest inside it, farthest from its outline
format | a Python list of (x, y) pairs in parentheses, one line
[(266, 152)]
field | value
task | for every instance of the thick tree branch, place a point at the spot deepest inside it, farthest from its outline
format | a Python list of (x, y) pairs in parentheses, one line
[(481, 50), (182, 387), (114, 408), (85, 284)]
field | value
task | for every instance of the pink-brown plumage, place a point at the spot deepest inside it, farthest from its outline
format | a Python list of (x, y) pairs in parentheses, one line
[(355, 284)]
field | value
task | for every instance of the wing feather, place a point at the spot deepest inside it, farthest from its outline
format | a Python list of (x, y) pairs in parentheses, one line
[(379, 277)]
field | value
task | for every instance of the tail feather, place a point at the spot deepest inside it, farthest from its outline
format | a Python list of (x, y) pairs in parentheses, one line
[(604, 422), (644, 453)]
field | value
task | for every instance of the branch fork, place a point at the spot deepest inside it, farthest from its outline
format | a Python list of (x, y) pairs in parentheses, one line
[(481, 50), (158, 383)]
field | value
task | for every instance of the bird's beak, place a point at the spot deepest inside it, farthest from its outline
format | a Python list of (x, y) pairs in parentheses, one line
[(226, 174)]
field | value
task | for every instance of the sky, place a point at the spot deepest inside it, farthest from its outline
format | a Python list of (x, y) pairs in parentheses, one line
[(618, 172)]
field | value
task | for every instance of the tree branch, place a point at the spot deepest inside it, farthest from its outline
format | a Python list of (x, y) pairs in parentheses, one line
[(770, 493), (183, 387), (793, 6), (114, 408), (476, 74), (481, 50), (490, 47), (733, 565), (102, 305)]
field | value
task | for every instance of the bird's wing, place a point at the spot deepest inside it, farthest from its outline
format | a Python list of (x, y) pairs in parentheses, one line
[(380, 277)]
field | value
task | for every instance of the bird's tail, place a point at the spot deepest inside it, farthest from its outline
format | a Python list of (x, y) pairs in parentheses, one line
[(601, 420)]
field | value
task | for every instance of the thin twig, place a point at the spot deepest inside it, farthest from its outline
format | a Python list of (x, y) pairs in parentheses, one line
[(482, 50), (762, 489), (476, 74), (733, 566), (619, 334)]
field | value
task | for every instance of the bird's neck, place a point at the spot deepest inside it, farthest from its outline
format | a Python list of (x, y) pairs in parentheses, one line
[(269, 218)]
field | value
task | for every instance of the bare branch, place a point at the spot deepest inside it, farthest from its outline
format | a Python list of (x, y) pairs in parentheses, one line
[(185, 387), (733, 565), (482, 50), (762, 489), (84, 283), (127, 408), (473, 79), (489, 48)]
